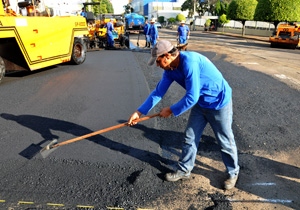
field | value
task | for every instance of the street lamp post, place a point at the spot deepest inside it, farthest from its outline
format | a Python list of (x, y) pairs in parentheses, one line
[(194, 19), (157, 10)]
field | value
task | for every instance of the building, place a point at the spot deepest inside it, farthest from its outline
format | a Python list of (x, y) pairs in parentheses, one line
[(155, 8)]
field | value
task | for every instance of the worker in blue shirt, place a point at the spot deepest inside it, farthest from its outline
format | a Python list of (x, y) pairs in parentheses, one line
[(209, 97), (153, 32), (110, 29), (183, 32), (146, 32), (83, 13)]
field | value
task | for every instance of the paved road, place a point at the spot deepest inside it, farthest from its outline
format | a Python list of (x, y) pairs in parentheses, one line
[(64, 102), (124, 168)]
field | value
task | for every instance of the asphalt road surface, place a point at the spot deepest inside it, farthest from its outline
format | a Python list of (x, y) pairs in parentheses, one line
[(123, 169)]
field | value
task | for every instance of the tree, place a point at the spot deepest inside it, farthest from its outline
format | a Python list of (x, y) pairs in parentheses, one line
[(128, 9), (223, 20), (220, 8), (188, 5), (180, 17), (277, 11), (171, 20), (105, 7), (161, 19), (242, 10), (207, 23)]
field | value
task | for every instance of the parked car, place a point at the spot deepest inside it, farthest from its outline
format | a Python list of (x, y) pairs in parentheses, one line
[(158, 25)]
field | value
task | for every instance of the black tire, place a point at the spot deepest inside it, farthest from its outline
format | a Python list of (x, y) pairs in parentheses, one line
[(79, 51), (2, 69), (273, 45), (122, 41), (119, 23)]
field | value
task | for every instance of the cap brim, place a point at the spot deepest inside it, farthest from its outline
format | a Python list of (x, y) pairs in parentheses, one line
[(152, 61)]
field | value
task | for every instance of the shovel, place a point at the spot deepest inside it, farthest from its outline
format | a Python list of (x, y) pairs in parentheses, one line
[(54, 145)]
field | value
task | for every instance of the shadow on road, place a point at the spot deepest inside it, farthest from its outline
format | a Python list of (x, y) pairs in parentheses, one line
[(44, 125), (253, 168)]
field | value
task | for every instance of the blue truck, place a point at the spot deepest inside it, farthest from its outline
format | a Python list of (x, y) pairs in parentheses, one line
[(134, 22)]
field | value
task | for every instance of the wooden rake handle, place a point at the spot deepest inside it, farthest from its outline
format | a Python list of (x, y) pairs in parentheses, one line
[(102, 131)]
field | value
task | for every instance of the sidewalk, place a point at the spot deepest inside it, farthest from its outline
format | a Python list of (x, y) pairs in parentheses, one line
[(257, 38)]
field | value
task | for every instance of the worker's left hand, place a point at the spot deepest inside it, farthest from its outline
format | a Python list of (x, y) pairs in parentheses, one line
[(165, 112), (188, 37)]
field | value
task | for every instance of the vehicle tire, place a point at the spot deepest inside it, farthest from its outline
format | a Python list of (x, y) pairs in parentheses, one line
[(79, 51), (2, 69), (119, 23), (273, 45), (122, 41)]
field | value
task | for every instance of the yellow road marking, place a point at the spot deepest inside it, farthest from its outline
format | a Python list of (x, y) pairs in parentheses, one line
[(25, 202), (80, 206), (145, 209), (55, 204), (2, 201), (113, 208)]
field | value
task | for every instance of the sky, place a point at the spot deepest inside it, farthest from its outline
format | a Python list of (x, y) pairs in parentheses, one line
[(118, 5)]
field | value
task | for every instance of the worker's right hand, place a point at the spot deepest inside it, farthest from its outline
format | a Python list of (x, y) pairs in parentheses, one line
[(136, 115)]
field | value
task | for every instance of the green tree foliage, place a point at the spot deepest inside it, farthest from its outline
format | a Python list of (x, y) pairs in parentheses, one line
[(223, 20), (207, 23), (278, 11), (188, 5), (180, 17), (105, 7), (128, 9), (202, 7), (161, 19), (220, 8), (242, 10), (171, 20)]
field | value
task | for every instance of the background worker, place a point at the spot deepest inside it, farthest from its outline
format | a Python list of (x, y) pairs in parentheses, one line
[(183, 32), (83, 12), (153, 32), (146, 32), (209, 97), (110, 29)]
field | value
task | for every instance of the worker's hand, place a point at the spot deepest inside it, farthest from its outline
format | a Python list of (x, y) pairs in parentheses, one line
[(165, 112), (188, 37), (136, 115)]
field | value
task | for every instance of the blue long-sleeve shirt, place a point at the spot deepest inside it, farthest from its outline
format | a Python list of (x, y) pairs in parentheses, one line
[(153, 32), (110, 27), (203, 82), (146, 29)]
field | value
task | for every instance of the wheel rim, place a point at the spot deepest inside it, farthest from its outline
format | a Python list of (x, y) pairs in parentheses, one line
[(78, 51)]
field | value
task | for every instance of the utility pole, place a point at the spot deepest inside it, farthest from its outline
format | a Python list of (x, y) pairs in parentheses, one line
[(194, 19), (157, 10)]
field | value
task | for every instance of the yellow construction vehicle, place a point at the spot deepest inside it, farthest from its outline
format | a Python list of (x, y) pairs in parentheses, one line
[(286, 35), (37, 40), (98, 34), (97, 37)]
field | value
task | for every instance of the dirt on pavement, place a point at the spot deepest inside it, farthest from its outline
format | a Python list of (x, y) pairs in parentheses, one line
[(266, 125)]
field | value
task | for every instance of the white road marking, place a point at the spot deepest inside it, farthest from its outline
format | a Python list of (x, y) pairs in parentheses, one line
[(264, 184)]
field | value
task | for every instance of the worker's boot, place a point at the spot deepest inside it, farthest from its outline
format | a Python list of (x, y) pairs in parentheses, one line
[(177, 175), (230, 182)]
